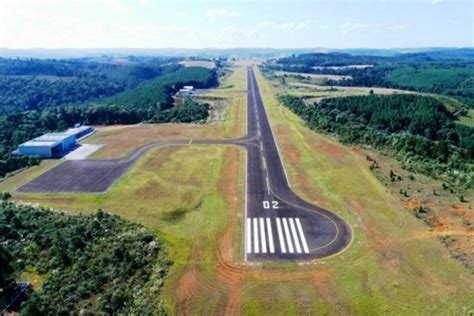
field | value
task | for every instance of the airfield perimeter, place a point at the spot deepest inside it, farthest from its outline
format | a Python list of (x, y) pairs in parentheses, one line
[(279, 225)]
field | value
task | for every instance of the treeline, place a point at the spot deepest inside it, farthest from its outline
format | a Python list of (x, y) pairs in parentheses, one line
[(157, 93), (91, 264), (310, 61), (37, 84), (416, 129), (150, 101)]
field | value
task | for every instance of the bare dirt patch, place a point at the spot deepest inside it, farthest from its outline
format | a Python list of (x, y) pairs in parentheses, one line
[(198, 63)]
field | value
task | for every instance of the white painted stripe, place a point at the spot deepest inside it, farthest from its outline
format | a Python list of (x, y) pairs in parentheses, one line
[(255, 236), (302, 237), (287, 234), (262, 235), (270, 236), (246, 194), (268, 185), (280, 236), (248, 242), (295, 236)]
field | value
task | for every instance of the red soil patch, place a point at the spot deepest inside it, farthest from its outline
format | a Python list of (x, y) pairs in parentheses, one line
[(229, 274), (463, 210)]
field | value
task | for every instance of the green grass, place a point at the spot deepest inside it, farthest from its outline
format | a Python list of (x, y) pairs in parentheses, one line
[(389, 268), (19, 178), (186, 194), (170, 192), (468, 119)]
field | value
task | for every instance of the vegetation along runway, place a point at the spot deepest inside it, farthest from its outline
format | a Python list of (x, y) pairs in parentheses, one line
[(279, 224)]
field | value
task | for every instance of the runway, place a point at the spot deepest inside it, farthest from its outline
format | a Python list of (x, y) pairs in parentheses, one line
[(278, 226)]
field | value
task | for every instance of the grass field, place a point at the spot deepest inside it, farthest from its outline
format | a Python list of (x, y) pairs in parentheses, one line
[(468, 119), (395, 265), (193, 208), (193, 196), (312, 76)]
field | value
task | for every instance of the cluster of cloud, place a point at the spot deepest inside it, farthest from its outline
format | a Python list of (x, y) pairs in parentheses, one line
[(285, 26), (212, 15)]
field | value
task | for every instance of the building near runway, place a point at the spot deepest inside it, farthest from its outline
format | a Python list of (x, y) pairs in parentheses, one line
[(54, 145), (186, 91)]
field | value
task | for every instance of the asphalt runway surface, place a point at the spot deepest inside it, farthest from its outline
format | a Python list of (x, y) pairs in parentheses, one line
[(279, 225)]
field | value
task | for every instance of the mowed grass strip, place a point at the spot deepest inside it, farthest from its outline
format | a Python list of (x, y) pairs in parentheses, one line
[(388, 268)]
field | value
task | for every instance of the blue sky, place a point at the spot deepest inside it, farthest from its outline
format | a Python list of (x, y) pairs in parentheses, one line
[(224, 24)]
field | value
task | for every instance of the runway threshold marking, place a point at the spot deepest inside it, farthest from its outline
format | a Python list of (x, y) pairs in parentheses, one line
[(262, 235), (255, 236), (287, 234), (249, 236), (302, 237), (280, 236), (289, 230), (270, 236), (293, 233)]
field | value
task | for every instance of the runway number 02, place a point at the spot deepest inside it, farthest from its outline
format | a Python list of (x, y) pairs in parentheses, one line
[(267, 205)]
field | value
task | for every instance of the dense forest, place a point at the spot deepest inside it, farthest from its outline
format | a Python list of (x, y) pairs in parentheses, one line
[(91, 264), (37, 84), (450, 73), (149, 101), (417, 130)]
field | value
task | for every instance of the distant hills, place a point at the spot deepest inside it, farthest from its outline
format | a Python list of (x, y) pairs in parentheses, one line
[(206, 52)]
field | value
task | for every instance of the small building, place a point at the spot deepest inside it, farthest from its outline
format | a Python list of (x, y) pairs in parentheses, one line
[(186, 91), (51, 145), (54, 145), (44, 149)]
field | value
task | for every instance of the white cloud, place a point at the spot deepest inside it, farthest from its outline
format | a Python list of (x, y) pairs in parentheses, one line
[(398, 27), (436, 1), (285, 26), (350, 27), (213, 14)]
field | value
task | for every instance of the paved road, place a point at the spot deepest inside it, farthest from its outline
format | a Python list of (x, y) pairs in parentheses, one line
[(278, 226)]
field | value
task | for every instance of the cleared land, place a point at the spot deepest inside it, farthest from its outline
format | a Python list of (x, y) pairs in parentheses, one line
[(389, 267), (468, 119), (354, 90), (312, 76), (194, 208), (344, 67), (198, 63), (395, 265)]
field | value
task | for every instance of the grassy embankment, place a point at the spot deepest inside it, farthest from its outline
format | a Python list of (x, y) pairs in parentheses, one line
[(394, 264)]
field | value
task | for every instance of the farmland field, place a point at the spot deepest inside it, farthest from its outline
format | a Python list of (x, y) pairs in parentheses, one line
[(312, 76)]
